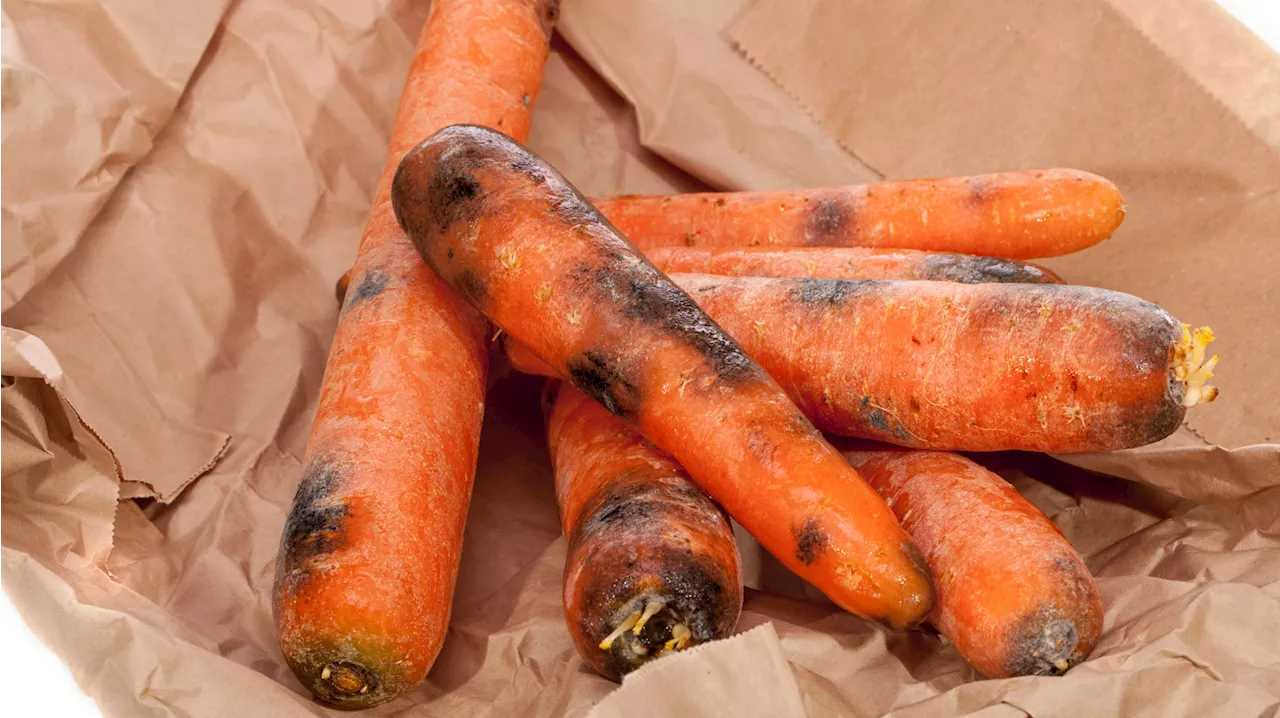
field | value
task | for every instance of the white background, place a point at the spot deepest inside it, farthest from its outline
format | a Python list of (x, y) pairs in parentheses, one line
[(35, 683)]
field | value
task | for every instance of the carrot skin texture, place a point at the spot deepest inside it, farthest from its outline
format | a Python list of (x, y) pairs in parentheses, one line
[(369, 554), (1016, 215), (1013, 596), (982, 367), (639, 532), (530, 252), (849, 263)]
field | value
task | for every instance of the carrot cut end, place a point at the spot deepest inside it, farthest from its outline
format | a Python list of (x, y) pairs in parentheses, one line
[(1192, 369)]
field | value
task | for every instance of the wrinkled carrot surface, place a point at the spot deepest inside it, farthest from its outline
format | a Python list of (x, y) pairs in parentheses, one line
[(370, 551), (982, 367), (528, 250), (652, 565), (1018, 215), (1013, 596), (849, 263)]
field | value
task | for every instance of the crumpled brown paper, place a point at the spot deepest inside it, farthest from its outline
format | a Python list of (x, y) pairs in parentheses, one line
[(168, 278)]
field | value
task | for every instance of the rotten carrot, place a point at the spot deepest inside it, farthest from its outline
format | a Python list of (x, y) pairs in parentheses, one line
[(1016, 215), (849, 263), (505, 229), (369, 554), (1013, 596), (964, 367), (652, 565)]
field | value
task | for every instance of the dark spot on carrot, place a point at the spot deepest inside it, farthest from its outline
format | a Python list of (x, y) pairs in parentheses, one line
[(603, 380), (980, 192), (720, 202), (471, 286), (967, 269), (705, 288), (450, 194), (813, 291), (646, 295), (811, 541), (449, 253), (529, 166), (315, 526), (915, 340), (572, 207), (1043, 640), (914, 403), (499, 122), (878, 420), (346, 680), (826, 220), (371, 285), (1075, 382)]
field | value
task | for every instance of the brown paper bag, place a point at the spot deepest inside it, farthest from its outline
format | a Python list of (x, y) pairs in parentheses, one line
[(170, 319)]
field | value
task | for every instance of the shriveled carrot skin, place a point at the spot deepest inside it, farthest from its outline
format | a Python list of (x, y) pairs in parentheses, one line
[(966, 367), (983, 367), (370, 551), (1017, 215), (849, 263), (1013, 595), (530, 252), (652, 565)]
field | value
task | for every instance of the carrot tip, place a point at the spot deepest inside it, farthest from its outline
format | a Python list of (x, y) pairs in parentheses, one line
[(1191, 367)]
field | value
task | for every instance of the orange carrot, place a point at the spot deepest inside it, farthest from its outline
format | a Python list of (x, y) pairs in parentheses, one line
[(1013, 596), (506, 230), (849, 263), (370, 551), (652, 566), (980, 367), (1018, 215)]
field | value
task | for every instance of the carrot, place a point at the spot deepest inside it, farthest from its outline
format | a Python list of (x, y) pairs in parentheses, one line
[(529, 251), (1013, 596), (981, 367), (1018, 215), (370, 551), (849, 263), (652, 566)]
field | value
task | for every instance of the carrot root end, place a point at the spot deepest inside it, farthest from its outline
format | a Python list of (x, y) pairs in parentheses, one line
[(1192, 368)]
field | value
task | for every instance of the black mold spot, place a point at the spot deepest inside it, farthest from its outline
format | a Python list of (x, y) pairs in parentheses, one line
[(826, 291), (370, 286), (878, 420), (529, 167), (433, 193), (621, 511), (648, 297), (1041, 644), (571, 206), (967, 269), (827, 217), (811, 542), (471, 286), (602, 379), (316, 523)]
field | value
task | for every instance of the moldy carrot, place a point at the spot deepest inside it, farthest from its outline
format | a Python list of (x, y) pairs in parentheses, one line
[(370, 550), (524, 247)]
